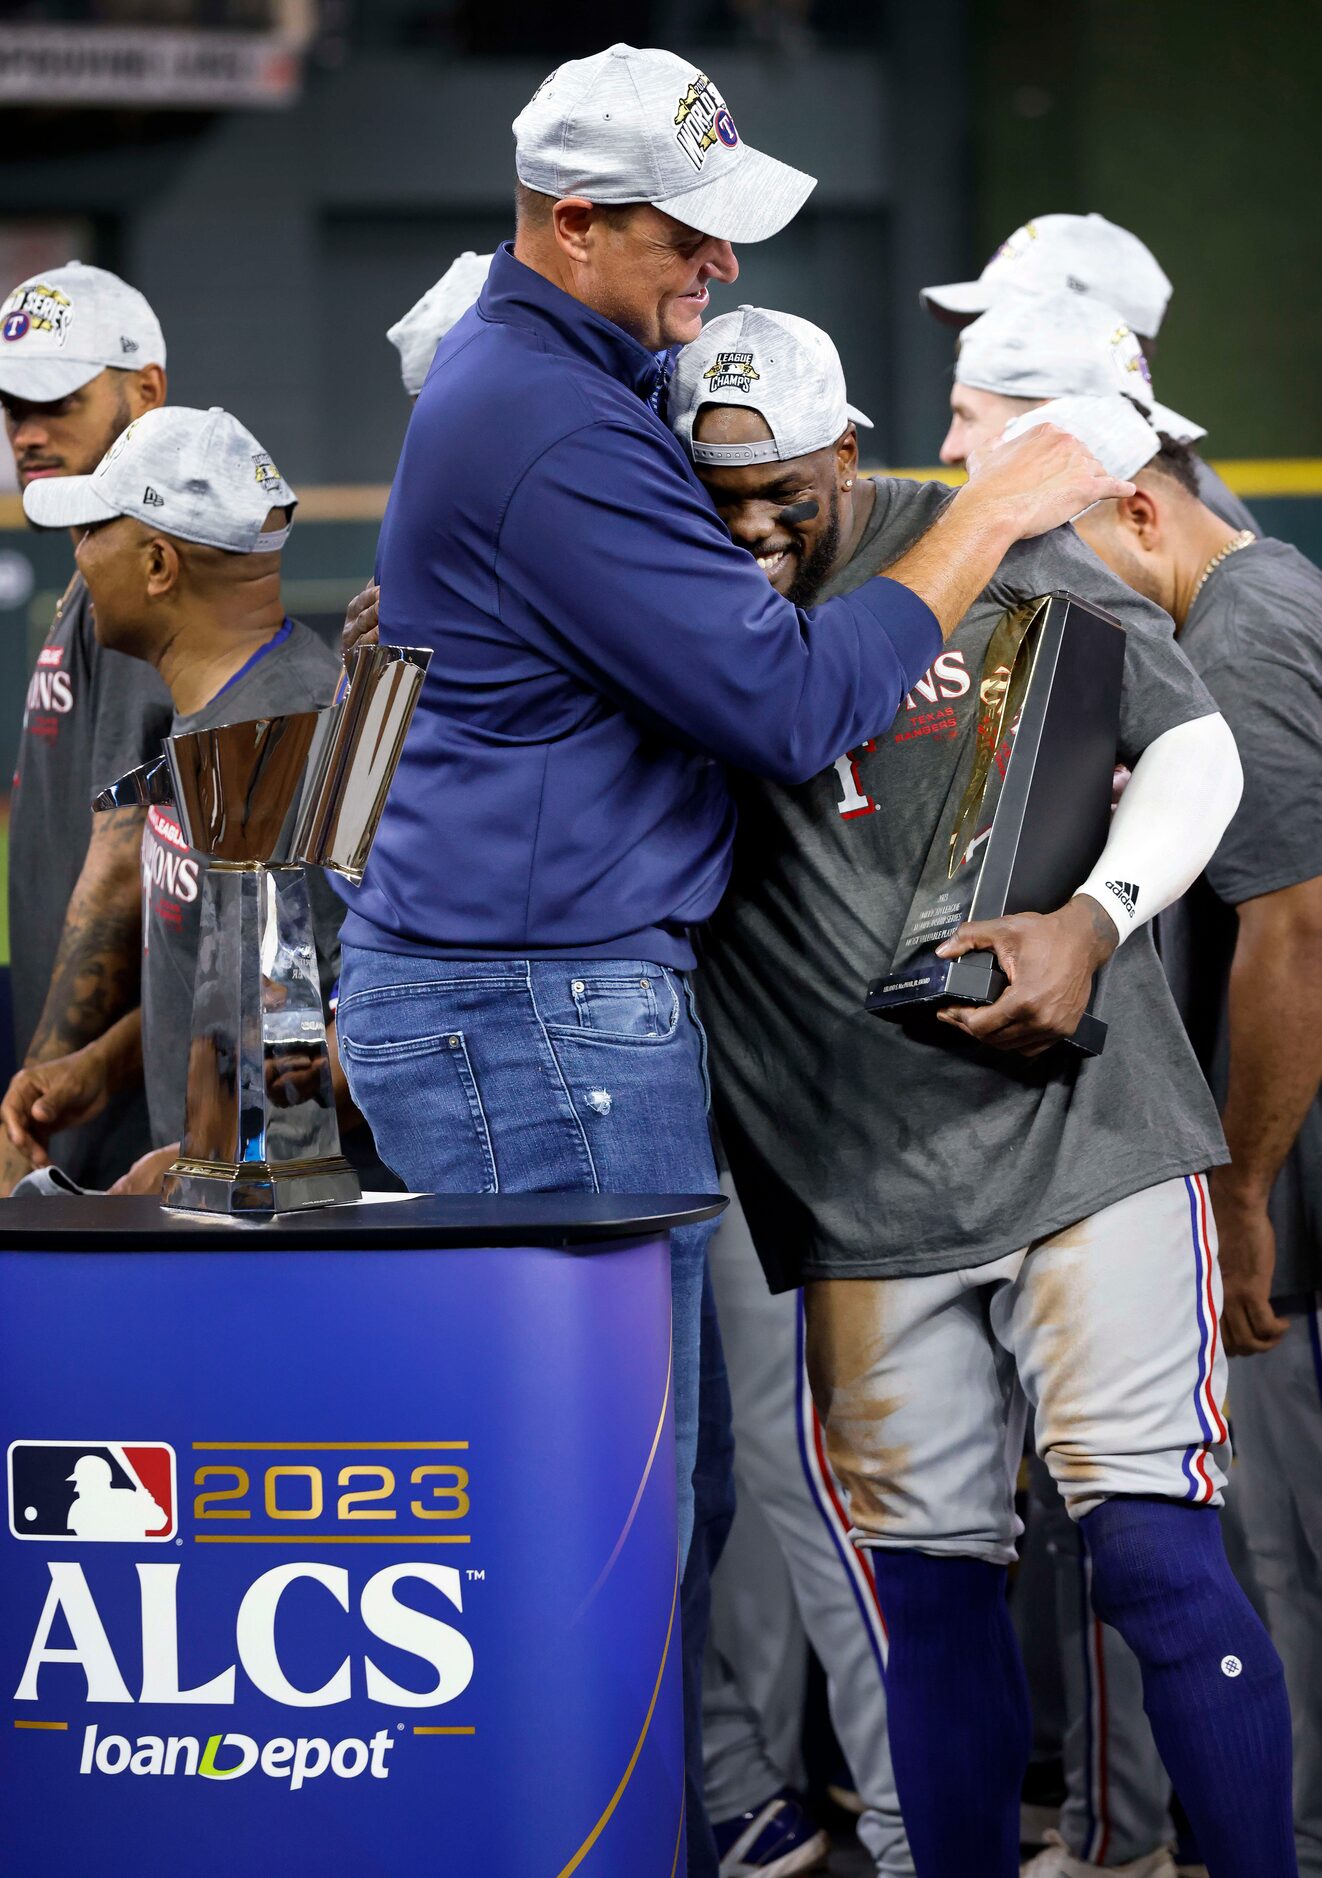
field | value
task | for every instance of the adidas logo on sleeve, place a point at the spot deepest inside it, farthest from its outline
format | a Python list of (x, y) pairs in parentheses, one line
[(1126, 892)]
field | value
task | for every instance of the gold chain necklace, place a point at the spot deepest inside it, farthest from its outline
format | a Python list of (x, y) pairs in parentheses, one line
[(1244, 539)]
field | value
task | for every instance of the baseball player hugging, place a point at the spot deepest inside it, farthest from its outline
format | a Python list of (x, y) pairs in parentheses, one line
[(983, 1221)]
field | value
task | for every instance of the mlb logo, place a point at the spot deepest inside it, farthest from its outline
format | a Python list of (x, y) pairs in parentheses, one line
[(92, 1490)]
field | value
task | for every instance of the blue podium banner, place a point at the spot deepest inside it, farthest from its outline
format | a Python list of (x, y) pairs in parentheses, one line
[(339, 1562)]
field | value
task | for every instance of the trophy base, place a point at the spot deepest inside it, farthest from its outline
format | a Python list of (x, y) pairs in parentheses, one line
[(974, 979), (242, 1187)]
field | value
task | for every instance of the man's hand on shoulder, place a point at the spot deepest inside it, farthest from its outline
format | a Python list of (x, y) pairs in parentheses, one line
[(1015, 490), (1036, 482), (1049, 959), (362, 621)]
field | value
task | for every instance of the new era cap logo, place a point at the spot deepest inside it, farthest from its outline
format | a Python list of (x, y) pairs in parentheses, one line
[(151, 499), (1126, 893), (126, 344), (92, 1490)]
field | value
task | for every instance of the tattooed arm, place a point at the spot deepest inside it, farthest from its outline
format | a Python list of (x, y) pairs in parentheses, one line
[(94, 979), (95, 975)]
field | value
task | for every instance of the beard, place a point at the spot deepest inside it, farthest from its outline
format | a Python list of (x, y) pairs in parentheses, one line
[(117, 423), (815, 570)]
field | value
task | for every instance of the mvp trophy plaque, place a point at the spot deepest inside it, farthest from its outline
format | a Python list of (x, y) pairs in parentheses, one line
[(1027, 813), (262, 800)]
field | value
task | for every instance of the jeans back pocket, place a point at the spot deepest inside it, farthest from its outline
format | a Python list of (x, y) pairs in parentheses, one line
[(422, 1098)]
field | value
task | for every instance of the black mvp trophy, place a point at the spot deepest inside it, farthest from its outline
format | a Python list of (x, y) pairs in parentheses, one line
[(1026, 817)]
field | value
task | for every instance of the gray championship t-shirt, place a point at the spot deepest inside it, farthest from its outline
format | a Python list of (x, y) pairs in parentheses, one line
[(859, 1149), (91, 714), (1254, 636), (294, 672)]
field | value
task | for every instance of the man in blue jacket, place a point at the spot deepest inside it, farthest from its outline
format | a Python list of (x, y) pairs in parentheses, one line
[(514, 1011)]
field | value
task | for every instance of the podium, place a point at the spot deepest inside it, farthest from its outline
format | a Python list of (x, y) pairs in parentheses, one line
[(341, 1542)]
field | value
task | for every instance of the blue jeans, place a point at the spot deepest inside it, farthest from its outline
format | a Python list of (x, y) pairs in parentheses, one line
[(542, 1076)]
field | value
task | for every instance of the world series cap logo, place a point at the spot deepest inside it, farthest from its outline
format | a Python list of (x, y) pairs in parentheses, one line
[(105, 1491), (39, 308), (703, 121), (1129, 356)]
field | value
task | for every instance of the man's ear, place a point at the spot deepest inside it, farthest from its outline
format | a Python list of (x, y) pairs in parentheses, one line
[(571, 220), (1139, 515), (146, 389), (846, 457), (164, 567)]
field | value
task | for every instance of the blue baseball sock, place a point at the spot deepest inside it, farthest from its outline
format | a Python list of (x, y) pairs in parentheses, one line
[(957, 1697), (1213, 1686)]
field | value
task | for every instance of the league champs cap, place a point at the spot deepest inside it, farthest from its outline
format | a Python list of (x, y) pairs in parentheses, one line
[(1083, 254), (59, 330), (195, 474), (1116, 431), (417, 335), (645, 126), (1055, 345), (783, 367)]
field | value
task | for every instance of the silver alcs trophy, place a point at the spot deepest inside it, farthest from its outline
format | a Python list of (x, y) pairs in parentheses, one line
[(262, 800)]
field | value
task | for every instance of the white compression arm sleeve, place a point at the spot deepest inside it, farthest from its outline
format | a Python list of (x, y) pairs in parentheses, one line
[(1175, 809)]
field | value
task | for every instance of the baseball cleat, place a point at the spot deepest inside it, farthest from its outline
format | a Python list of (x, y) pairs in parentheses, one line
[(1057, 1861), (774, 1840)]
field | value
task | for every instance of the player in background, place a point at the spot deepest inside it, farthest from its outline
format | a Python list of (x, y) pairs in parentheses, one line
[(81, 355), (1091, 258), (181, 527), (973, 1215), (415, 337), (1243, 952)]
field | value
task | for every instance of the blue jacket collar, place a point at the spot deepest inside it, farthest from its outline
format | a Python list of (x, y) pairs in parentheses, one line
[(517, 296)]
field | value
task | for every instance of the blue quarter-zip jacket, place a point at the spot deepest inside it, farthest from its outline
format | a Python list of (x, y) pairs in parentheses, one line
[(601, 650)]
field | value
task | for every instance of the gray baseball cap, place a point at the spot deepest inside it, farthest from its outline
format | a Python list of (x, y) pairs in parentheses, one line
[(417, 335), (1082, 254), (1113, 429), (1056, 345), (59, 330), (645, 126), (783, 367), (195, 474)]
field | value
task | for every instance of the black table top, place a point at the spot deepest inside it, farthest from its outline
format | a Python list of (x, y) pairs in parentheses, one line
[(132, 1223)]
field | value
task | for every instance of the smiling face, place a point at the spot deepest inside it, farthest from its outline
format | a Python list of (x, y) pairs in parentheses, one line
[(70, 437), (797, 557), (634, 264), (977, 418)]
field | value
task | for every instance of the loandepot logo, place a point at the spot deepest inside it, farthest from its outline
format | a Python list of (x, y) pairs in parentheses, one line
[(231, 1756), (94, 1630)]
